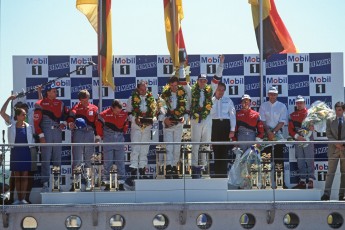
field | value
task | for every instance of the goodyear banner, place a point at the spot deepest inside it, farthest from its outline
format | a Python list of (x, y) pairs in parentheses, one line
[(317, 76)]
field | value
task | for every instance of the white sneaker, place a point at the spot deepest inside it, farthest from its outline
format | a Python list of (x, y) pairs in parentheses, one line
[(23, 202)]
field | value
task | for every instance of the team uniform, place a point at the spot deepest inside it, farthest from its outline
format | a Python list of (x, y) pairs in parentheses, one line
[(249, 127), (304, 155), (114, 127), (85, 134), (47, 117)]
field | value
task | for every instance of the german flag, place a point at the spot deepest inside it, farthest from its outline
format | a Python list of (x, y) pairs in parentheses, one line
[(276, 38), (173, 15), (101, 13)]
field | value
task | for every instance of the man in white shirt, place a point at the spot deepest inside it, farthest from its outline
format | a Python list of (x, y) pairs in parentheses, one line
[(274, 116), (223, 129), (201, 119)]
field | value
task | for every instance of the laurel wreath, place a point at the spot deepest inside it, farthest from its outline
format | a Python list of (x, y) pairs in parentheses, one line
[(150, 105), (197, 112), (180, 109)]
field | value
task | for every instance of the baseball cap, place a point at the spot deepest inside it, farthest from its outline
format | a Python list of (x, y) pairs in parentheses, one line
[(202, 76), (299, 98), (51, 86), (273, 89), (246, 96)]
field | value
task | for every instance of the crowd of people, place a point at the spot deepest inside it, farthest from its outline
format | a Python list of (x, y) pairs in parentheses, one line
[(212, 116)]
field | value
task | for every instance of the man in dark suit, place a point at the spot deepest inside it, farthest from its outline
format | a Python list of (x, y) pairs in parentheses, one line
[(335, 130)]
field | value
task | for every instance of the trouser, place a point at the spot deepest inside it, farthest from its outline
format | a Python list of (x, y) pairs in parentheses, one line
[(85, 135), (139, 152), (305, 161), (114, 154), (173, 134), (220, 132), (50, 153), (246, 136), (200, 133), (333, 159)]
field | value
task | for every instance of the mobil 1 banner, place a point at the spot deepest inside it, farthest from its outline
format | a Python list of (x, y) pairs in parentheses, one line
[(316, 76)]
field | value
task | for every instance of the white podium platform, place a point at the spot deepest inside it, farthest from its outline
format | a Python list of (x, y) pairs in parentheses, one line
[(180, 190)]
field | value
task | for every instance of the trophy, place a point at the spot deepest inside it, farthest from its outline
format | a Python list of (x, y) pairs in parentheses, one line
[(160, 161), (279, 176), (182, 55), (266, 170), (77, 171), (88, 178), (113, 178), (56, 178), (96, 162), (254, 176)]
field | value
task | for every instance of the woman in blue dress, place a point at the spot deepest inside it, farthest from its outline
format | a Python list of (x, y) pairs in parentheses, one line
[(20, 164)]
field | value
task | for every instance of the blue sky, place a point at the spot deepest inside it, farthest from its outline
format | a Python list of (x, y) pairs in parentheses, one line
[(56, 27)]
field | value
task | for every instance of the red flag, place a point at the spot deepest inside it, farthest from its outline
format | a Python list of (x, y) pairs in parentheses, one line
[(173, 15), (101, 13), (276, 38)]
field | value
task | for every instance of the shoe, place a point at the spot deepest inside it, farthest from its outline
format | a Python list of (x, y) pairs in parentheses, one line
[(196, 172), (129, 184), (107, 187), (174, 172), (310, 184), (45, 187), (121, 187), (168, 172), (341, 197), (143, 174), (23, 202), (300, 185), (16, 202), (325, 197), (72, 189)]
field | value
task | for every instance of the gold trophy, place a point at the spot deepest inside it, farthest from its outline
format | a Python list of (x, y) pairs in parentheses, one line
[(96, 162), (114, 183), (279, 176), (77, 171), (254, 176), (266, 170), (56, 179)]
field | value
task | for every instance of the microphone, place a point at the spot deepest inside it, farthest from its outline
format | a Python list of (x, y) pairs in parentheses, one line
[(3, 136), (91, 63)]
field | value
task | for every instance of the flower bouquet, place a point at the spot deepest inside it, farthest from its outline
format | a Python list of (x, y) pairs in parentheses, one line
[(318, 113)]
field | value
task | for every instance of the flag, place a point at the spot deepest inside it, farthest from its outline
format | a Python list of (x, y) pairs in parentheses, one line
[(101, 13), (276, 38), (173, 15)]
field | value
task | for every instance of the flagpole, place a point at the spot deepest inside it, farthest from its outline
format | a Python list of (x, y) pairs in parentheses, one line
[(100, 62), (261, 54), (173, 28)]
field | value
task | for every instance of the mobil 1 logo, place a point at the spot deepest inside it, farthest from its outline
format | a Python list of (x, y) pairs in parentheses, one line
[(167, 69), (211, 68), (125, 70), (80, 70), (36, 70)]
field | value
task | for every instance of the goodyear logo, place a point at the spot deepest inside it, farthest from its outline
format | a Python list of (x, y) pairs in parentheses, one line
[(194, 64), (252, 86), (298, 85), (58, 66)]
